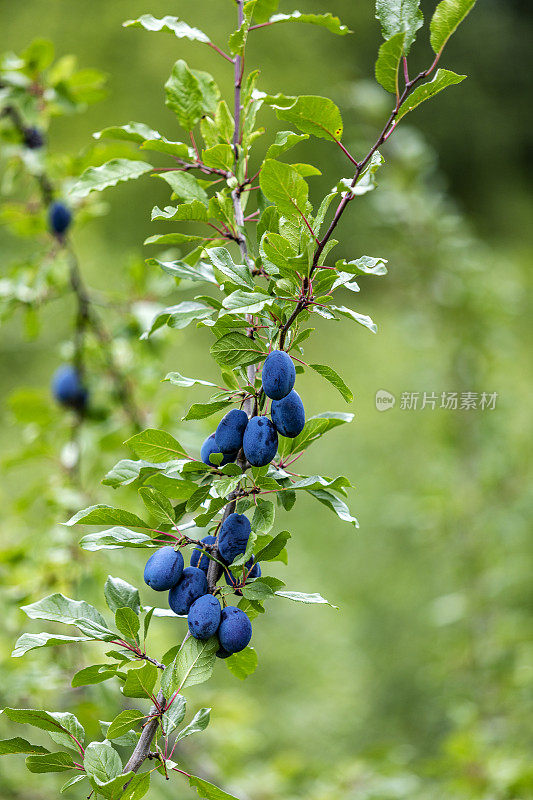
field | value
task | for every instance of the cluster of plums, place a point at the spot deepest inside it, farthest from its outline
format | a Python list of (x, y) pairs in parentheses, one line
[(188, 591), (68, 388), (258, 436)]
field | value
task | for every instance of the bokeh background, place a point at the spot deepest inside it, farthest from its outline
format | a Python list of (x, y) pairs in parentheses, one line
[(420, 686)]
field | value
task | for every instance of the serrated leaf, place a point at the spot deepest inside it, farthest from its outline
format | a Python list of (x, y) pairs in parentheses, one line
[(96, 673), (243, 302), (168, 24), (18, 745), (75, 779), (127, 622), (190, 94), (106, 515), (54, 722), (140, 682), (335, 379), (388, 63), (284, 141), (119, 593), (201, 272), (136, 132), (101, 761), (327, 21), (237, 273), (179, 316), (193, 211), (204, 410), (31, 641), (366, 265), (361, 319), (236, 349), (209, 791), (156, 445), (318, 116), (114, 539), (400, 16), (58, 608), (180, 380), (127, 471), (174, 715), (50, 762), (301, 597), (447, 17), (193, 664), (264, 514), (284, 187), (199, 722), (442, 79), (95, 179), (184, 186), (123, 723), (157, 504), (272, 550), (220, 156), (336, 505), (264, 9), (242, 664)]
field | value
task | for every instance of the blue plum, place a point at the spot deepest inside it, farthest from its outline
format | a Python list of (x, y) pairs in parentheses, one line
[(204, 617), (235, 630), (192, 585), (209, 447), (230, 430), (59, 218), (221, 653), (260, 441), (199, 559), (288, 415), (33, 138), (163, 569), (278, 375), (68, 389), (233, 537)]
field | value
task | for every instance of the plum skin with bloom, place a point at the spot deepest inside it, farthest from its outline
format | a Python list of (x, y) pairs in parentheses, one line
[(278, 375), (198, 558), (59, 218), (163, 569), (204, 616), (68, 389), (191, 586), (235, 630), (233, 537), (288, 415), (260, 441), (230, 430), (209, 447)]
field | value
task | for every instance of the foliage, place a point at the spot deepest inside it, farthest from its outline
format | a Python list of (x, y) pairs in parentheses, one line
[(265, 302)]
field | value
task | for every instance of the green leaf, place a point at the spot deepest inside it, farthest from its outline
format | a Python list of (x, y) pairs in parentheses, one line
[(184, 185), (51, 721), (157, 504), (193, 664), (388, 63), (236, 349), (95, 179), (101, 761), (209, 791), (220, 156), (96, 673), (123, 723), (114, 539), (284, 187), (50, 762), (300, 597), (237, 273), (362, 319), (204, 410), (242, 664), (127, 471), (131, 132), (140, 682), (274, 547), (174, 239), (18, 745), (328, 21), (335, 379), (366, 265), (442, 79), (264, 514), (174, 715), (180, 380), (127, 622), (258, 589), (199, 722), (366, 182), (284, 141), (264, 9), (315, 115), (58, 608), (156, 445), (31, 641), (400, 16), (106, 515), (447, 17), (72, 781), (244, 302), (193, 211), (190, 94), (168, 25), (336, 505), (179, 316), (119, 594)]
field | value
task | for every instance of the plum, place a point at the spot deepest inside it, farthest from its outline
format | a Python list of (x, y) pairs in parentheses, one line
[(163, 569), (233, 537), (192, 585), (288, 415), (278, 375), (209, 447), (230, 430), (260, 441), (235, 630), (204, 616)]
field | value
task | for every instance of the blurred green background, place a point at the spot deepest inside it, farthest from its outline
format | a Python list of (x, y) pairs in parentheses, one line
[(421, 685)]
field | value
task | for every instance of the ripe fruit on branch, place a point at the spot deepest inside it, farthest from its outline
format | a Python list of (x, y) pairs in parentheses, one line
[(288, 415), (278, 375), (163, 569), (33, 138), (260, 441), (209, 447), (251, 570), (233, 537), (192, 585), (68, 388), (199, 559), (204, 616), (228, 435), (59, 218), (235, 630)]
